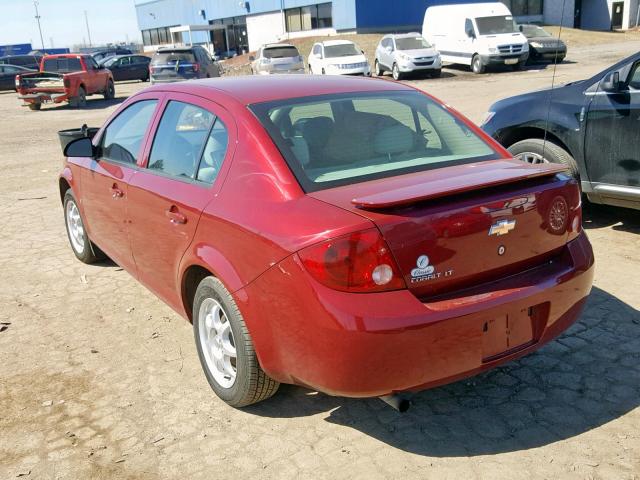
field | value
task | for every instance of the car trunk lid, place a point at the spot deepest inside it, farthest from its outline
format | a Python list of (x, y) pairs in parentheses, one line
[(454, 227)]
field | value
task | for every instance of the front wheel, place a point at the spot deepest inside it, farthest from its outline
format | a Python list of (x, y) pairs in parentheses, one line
[(84, 250), (395, 72), (377, 70), (225, 348), (436, 73), (477, 66), (536, 150)]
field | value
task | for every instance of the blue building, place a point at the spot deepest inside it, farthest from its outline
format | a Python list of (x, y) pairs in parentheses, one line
[(232, 25)]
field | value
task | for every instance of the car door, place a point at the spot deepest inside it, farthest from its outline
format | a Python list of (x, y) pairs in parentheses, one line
[(177, 181), (7, 81), (612, 139), (104, 181), (95, 80), (140, 68)]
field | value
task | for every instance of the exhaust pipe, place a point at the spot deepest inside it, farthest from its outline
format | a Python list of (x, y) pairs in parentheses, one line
[(399, 403)]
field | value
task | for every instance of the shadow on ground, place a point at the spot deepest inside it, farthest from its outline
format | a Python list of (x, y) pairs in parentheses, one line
[(601, 216), (586, 378)]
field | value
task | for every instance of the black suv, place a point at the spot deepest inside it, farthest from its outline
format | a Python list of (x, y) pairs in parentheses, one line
[(26, 61), (592, 126), (182, 63)]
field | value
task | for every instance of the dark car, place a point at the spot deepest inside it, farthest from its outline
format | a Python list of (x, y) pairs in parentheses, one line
[(542, 45), (8, 76), (103, 54), (128, 67), (26, 61), (182, 63), (592, 126)]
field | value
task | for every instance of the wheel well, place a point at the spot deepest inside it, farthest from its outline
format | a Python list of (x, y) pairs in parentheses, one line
[(64, 186), (509, 138), (190, 281), (82, 86)]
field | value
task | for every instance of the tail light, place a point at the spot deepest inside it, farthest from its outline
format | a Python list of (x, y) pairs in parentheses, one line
[(358, 262), (196, 67), (152, 69), (17, 80)]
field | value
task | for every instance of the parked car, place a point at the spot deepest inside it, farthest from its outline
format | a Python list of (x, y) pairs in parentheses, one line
[(277, 58), (173, 64), (542, 45), (128, 67), (416, 251), (105, 53), (476, 34), (590, 126), (66, 77), (27, 61), (406, 53), (338, 57), (8, 76)]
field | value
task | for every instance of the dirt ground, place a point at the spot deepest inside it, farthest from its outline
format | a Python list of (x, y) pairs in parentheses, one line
[(100, 380)]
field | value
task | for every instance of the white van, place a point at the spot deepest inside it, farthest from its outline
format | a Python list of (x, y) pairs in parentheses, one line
[(476, 34)]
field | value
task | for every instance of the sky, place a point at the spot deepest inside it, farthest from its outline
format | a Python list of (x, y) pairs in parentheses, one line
[(62, 22)]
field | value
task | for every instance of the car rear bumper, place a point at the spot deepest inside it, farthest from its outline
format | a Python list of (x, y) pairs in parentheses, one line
[(364, 345), (55, 97)]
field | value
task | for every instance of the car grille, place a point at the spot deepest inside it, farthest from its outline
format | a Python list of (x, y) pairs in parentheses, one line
[(506, 49), (423, 62)]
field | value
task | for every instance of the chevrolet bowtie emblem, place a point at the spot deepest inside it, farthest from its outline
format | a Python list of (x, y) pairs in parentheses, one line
[(502, 227)]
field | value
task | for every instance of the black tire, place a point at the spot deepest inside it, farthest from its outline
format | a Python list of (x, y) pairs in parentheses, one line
[(549, 151), (377, 70), (89, 253), (436, 73), (251, 384), (518, 66), (80, 101), (110, 91), (323, 72), (477, 66), (35, 106), (395, 72)]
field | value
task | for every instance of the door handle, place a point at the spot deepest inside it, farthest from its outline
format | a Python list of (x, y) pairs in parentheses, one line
[(175, 216), (116, 192)]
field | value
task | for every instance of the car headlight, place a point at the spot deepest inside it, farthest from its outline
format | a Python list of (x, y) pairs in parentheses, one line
[(536, 44), (404, 56), (487, 117)]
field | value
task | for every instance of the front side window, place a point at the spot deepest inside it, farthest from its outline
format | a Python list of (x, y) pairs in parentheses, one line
[(180, 138), (634, 77), (123, 137), (496, 25), (342, 139)]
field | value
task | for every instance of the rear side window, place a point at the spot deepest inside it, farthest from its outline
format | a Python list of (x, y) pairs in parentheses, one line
[(123, 137), (62, 65), (214, 152), (180, 139), (341, 139), (170, 58)]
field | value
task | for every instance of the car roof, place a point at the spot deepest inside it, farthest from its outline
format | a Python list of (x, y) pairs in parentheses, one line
[(328, 43), (252, 89), (403, 35)]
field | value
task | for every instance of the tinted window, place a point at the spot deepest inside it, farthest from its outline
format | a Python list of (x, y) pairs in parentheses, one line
[(634, 77), (62, 65), (342, 50), (123, 137), (368, 136), (164, 58), (179, 140), (214, 152), (280, 52), (495, 25)]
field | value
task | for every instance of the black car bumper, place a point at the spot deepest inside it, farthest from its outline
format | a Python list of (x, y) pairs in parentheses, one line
[(548, 53)]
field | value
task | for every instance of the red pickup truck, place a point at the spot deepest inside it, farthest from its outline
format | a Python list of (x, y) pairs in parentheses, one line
[(67, 77)]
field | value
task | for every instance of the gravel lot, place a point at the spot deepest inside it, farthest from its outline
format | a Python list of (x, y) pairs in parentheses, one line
[(99, 379)]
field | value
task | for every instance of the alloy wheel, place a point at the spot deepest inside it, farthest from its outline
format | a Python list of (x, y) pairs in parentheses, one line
[(217, 342), (75, 227), (531, 157)]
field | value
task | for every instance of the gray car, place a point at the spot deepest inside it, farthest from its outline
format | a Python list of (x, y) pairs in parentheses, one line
[(406, 53), (277, 58), (182, 63)]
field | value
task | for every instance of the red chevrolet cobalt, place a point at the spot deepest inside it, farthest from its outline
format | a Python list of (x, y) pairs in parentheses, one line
[(354, 236)]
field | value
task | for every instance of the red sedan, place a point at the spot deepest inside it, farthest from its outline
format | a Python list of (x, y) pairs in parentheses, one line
[(354, 236)]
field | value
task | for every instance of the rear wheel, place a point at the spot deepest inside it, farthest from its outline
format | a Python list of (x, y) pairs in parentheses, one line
[(110, 91), (225, 348), (536, 150), (395, 72), (80, 100), (477, 66), (377, 70), (35, 106)]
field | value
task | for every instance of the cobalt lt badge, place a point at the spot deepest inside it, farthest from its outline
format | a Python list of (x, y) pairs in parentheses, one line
[(502, 227)]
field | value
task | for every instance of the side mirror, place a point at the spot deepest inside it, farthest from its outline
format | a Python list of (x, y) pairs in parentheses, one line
[(611, 83), (82, 147), (252, 58), (471, 33), (362, 52), (520, 28)]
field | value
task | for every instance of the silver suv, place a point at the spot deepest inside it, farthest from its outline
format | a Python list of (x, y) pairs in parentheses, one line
[(277, 58), (406, 53)]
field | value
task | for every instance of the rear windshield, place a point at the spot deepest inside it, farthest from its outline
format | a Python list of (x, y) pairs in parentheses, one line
[(495, 25), (341, 139), (343, 50), (280, 52), (169, 58), (62, 65), (411, 43)]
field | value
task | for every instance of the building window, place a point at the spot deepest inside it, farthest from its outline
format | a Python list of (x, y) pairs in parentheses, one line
[(308, 18), (521, 8), (157, 36)]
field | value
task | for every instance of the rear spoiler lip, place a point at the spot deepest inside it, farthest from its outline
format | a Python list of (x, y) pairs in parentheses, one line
[(439, 188)]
